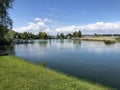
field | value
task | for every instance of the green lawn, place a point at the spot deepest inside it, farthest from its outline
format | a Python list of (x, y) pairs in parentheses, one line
[(18, 74)]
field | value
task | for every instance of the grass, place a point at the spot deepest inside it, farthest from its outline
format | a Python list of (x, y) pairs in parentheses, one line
[(18, 74)]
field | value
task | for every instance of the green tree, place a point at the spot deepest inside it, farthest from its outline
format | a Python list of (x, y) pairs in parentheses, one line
[(95, 34), (69, 35), (31, 36), (77, 34), (62, 36), (5, 20), (24, 35), (42, 35)]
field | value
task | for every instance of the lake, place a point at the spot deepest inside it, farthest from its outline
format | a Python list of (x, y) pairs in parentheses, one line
[(89, 60)]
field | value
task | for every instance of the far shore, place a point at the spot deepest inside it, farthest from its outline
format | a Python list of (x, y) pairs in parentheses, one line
[(100, 38)]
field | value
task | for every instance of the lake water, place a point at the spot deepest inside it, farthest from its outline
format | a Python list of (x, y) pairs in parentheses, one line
[(89, 60)]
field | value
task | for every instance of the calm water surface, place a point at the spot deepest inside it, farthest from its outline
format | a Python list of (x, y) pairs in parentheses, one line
[(89, 60)]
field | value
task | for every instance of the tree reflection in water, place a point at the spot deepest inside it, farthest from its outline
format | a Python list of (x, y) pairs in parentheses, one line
[(7, 50)]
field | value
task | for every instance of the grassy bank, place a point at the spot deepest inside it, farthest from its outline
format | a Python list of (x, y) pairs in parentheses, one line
[(109, 39), (18, 74)]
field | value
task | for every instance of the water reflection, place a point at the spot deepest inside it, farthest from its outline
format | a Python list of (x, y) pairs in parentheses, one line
[(43, 43), (109, 43), (100, 47), (7, 50), (64, 44), (77, 43), (91, 60)]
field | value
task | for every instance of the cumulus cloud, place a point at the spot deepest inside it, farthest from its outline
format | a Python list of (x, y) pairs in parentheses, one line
[(43, 20), (67, 29), (38, 19), (100, 27), (39, 25), (35, 27), (47, 20)]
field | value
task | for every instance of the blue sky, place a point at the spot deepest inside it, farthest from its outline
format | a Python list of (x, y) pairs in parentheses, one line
[(62, 15)]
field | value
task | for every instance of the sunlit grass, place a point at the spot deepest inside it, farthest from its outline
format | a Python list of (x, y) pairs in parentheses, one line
[(18, 74)]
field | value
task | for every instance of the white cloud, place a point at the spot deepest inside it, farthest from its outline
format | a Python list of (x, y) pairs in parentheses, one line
[(100, 27), (35, 27), (47, 20), (43, 20), (38, 19), (67, 29), (40, 24)]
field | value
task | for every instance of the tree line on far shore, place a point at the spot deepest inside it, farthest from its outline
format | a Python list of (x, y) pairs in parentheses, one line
[(44, 35)]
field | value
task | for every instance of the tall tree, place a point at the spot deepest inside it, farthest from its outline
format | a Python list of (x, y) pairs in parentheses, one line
[(5, 20), (77, 34), (24, 35), (42, 35), (69, 35), (62, 36)]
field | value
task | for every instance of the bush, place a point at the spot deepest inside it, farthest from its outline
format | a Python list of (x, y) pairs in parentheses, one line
[(109, 42)]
